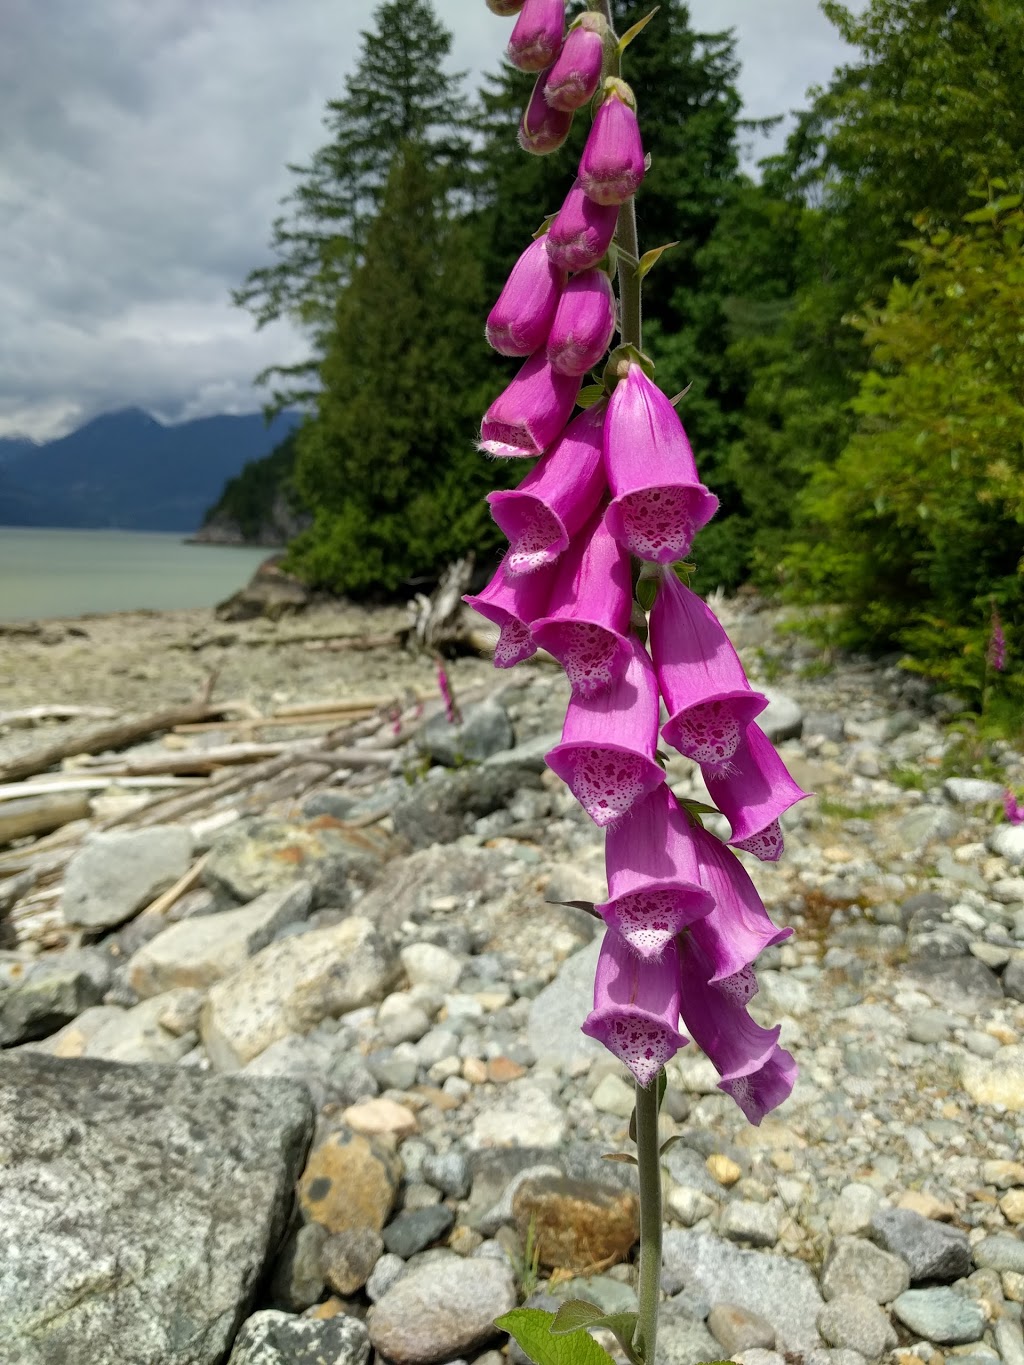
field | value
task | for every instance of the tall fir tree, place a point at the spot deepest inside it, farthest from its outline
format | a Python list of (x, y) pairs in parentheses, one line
[(387, 465), (400, 93)]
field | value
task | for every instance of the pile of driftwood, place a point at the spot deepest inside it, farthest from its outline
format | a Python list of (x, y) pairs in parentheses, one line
[(46, 811), (215, 761)]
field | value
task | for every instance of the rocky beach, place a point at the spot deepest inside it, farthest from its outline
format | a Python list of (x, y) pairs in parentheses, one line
[(293, 1070)]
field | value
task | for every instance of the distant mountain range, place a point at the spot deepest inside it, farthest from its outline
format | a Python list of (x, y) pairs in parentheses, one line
[(127, 471)]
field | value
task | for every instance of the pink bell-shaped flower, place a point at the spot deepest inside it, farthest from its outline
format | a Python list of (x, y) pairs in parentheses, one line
[(529, 414), (573, 79), (557, 497), (537, 37), (765, 1088), (584, 323), (582, 231), (513, 604), (709, 700), (738, 928), (636, 1007), (737, 1047), (520, 321), (543, 129), (609, 740), (612, 164), (586, 625), (659, 502), (752, 790), (653, 887)]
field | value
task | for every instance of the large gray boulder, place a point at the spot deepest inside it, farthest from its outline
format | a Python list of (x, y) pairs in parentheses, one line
[(119, 872), (139, 1207)]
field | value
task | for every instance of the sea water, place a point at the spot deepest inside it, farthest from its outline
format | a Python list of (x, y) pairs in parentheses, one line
[(68, 573)]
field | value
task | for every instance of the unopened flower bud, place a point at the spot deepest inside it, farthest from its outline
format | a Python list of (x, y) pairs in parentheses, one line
[(584, 323), (582, 231), (573, 79), (520, 321), (612, 164), (543, 129), (504, 9), (537, 37)]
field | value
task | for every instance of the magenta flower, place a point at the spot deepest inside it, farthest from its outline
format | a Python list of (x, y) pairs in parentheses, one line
[(557, 497), (653, 883), (659, 502), (586, 624), (764, 1089), (573, 80), (1014, 812), (612, 164), (528, 415), (582, 231), (584, 323), (754, 1069), (513, 604), (737, 929), (636, 1007), (451, 706), (996, 655), (542, 129), (609, 740), (520, 321), (752, 790), (701, 679), (537, 37)]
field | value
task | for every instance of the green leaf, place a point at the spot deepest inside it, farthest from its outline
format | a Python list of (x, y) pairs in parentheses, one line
[(632, 1126), (670, 1142), (577, 1315), (647, 591), (531, 1328), (636, 30), (589, 395), (651, 258), (623, 1157)]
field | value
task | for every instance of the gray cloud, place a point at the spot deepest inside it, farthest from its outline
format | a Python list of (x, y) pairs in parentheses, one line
[(142, 158)]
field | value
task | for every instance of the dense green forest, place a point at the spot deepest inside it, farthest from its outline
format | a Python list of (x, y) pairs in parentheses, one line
[(849, 323)]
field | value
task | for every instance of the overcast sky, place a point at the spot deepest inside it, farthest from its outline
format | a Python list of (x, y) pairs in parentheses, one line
[(142, 153)]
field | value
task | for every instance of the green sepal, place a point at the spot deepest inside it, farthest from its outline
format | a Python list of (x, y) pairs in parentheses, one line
[(531, 1328), (545, 225), (697, 807), (650, 259), (636, 30), (647, 589), (680, 395), (587, 906), (620, 358), (576, 1315), (669, 1143), (589, 395)]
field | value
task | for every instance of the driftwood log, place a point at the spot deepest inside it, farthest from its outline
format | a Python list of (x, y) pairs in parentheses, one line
[(119, 735)]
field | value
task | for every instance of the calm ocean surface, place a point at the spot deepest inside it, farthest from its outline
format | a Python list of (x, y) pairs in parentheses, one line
[(66, 573)]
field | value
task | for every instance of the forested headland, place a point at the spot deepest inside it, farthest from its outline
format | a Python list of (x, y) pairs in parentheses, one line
[(848, 324)]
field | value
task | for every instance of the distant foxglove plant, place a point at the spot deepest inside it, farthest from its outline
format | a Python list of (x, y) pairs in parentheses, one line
[(596, 532)]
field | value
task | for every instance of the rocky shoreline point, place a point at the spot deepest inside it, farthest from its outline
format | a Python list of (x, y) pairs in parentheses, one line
[(327, 1097)]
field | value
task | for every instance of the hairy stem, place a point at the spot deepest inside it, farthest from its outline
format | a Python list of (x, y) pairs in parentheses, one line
[(648, 1158), (648, 1152)]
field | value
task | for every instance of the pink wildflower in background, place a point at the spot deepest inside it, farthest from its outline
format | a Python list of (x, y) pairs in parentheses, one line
[(996, 655)]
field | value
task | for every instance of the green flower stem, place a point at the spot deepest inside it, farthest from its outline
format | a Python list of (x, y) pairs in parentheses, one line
[(648, 1148), (648, 1157)]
